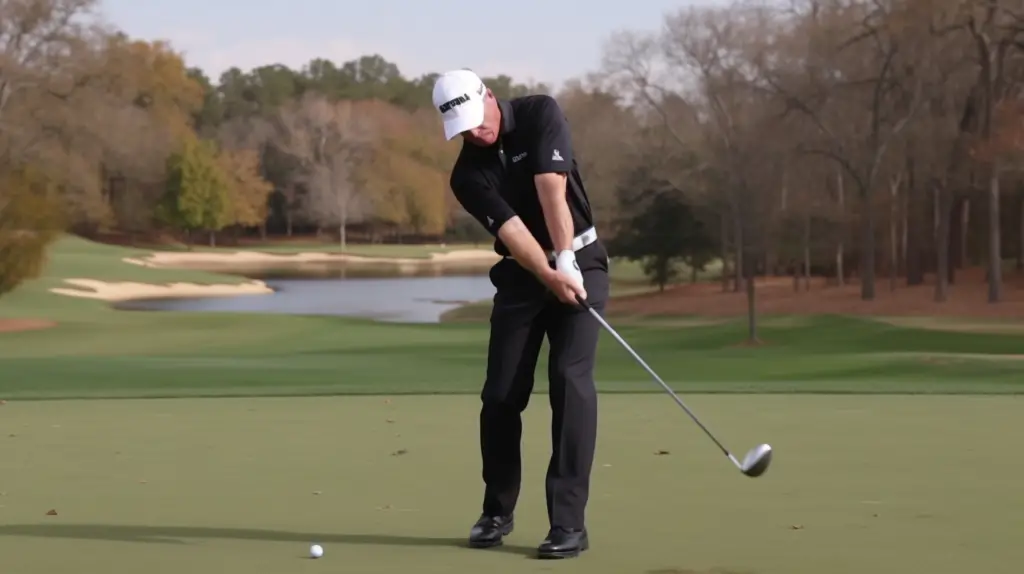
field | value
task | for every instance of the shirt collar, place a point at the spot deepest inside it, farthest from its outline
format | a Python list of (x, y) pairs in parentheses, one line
[(508, 119)]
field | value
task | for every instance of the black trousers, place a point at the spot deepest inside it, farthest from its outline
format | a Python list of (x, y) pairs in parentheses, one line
[(524, 312)]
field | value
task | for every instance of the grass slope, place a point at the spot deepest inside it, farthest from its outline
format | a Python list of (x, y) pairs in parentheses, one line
[(98, 352)]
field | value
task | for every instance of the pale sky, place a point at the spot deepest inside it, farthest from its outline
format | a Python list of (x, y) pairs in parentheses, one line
[(539, 40)]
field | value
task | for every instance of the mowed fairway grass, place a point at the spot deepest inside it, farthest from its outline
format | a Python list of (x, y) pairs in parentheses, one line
[(859, 484), (382, 466), (97, 352)]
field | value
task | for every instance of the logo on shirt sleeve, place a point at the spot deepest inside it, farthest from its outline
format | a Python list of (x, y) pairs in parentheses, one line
[(556, 156)]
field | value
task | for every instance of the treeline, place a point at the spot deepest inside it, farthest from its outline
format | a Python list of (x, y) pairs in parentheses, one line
[(139, 143), (350, 146), (846, 138)]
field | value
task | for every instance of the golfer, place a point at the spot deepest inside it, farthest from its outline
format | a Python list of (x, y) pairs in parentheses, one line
[(516, 175)]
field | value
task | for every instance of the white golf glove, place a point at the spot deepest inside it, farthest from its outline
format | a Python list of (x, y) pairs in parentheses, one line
[(565, 262)]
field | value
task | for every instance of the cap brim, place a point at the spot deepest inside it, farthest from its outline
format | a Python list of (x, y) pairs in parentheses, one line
[(471, 117)]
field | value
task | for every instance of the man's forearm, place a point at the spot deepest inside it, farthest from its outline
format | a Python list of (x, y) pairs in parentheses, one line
[(524, 248), (551, 192)]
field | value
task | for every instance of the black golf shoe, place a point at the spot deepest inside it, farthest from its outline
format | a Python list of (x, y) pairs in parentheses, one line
[(489, 530), (563, 543)]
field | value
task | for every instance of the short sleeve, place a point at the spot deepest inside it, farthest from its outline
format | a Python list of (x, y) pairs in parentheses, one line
[(552, 145), (482, 201)]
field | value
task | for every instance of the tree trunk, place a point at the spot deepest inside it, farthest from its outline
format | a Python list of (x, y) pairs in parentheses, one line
[(1020, 235), (955, 221), (751, 301), (965, 233), (914, 218), (893, 244), (995, 256), (840, 281), (943, 213), (740, 261), (867, 255), (343, 220), (724, 248), (213, 238), (807, 252), (904, 232)]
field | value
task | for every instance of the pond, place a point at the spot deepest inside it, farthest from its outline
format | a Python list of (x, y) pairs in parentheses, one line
[(407, 299)]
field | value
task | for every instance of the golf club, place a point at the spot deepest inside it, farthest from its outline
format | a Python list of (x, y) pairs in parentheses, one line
[(757, 459)]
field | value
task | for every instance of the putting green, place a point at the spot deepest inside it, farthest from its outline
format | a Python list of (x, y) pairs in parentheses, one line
[(243, 485)]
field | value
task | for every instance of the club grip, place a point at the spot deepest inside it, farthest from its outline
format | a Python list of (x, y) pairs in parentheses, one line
[(582, 302)]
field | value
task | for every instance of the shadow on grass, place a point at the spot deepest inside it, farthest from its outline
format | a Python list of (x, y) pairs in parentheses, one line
[(177, 534)]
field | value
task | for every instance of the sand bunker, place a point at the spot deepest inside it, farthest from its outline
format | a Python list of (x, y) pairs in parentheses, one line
[(245, 258), (124, 291)]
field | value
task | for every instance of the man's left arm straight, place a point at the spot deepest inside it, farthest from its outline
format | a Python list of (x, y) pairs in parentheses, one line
[(552, 161)]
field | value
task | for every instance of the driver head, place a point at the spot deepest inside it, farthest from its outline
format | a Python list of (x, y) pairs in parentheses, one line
[(757, 460)]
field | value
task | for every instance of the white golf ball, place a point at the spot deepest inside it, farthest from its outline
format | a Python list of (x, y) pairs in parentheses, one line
[(316, 551)]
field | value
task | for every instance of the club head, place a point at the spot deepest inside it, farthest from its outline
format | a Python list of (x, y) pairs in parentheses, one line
[(757, 460)]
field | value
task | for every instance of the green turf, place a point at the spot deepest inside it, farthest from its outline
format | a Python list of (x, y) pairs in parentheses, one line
[(858, 484), (180, 354), (98, 352), (390, 483)]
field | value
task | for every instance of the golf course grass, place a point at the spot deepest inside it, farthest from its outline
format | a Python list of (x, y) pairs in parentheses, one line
[(95, 351), (880, 484), (385, 473)]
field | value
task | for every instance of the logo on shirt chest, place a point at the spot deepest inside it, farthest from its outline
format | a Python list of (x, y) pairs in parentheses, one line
[(519, 156)]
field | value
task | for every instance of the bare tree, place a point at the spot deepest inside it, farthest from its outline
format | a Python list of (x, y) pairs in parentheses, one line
[(997, 28), (696, 77), (851, 69), (330, 140)]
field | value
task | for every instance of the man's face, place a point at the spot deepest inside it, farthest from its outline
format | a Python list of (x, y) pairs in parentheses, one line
[(486, 133)]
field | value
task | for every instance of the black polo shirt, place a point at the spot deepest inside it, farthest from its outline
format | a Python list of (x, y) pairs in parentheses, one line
[(534, 138)]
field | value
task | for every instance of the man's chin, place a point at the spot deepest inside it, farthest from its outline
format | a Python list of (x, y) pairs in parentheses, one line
[(481, 141)]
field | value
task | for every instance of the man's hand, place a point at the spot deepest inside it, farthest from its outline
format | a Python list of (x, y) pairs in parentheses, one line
[(564, 286), (565, 262), (565, 280)]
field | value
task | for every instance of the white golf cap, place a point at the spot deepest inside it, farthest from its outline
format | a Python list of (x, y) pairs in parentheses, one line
[(459, 96)]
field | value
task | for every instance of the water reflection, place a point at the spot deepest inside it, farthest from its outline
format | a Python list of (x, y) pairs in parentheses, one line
[(419, 297)]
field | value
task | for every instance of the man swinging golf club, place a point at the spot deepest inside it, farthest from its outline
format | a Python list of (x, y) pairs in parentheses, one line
[(516, 175)]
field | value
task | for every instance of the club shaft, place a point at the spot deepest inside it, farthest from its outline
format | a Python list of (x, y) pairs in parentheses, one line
[(668, 389)]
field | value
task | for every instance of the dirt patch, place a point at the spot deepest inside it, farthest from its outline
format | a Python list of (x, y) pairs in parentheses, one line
[(19, 325), (776, 296)]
